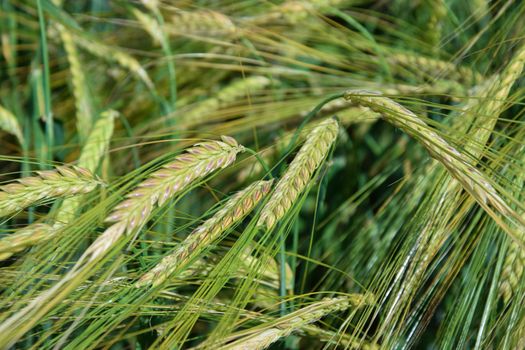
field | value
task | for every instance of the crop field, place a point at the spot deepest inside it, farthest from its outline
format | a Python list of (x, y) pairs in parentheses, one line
[(262, 174)]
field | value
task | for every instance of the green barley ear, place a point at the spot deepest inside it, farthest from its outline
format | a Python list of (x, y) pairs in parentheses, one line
[(263, 336), (202, 22), (150, 25), (48, 184), (92, 153), (162, 185), (113, 54), (9, 123), (459, 165), (236, 208), (436, 68), (84, 110), (228, 95), (299, 173), (23, 238)]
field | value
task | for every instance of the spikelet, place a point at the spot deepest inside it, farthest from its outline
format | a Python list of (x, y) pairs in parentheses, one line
[(237, 207), (93, 151), (113, 54), (48, 184), (23, 238), (162, 185), (299, 173), (84, 111), (234, 91), (202, 22), (436, 68), (9, 123), (261, 337), (459, 166)]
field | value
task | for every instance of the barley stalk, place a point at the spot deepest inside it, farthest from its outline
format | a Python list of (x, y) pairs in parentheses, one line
[(263, 336), (172, 179), (48, 184), (23, 238), (237, 207), (9, 123), (299, 173), (84, 111), (459, 166)]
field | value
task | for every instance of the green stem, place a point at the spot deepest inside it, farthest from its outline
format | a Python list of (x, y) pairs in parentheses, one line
[(46, 82)]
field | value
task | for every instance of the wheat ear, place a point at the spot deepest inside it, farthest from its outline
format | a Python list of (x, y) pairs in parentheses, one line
[(64, 181), (9, 123), (237, 207), (261, 337), (162, 185), (459, 166), (84, 111), (23, 238), (299, 173)]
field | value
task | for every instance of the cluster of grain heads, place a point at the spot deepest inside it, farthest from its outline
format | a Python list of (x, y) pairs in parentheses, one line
[(236, 208), (23, 238), (161, 186), (459, 166), (479, 117), (9, 123), (64, 181), (129, 216), (299, 173), (263, 336)]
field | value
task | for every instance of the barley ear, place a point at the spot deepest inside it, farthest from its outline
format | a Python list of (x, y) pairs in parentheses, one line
[(459, 166), (92, 153), (23, 238), (48, 184), (299, 173), (236, 208), (261, 337), (9, 123), (84, 110), (162, 185)]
